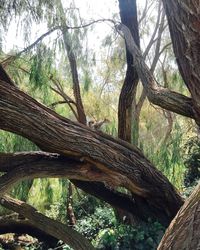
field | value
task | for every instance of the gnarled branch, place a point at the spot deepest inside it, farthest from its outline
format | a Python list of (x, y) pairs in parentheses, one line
[(23, 115)]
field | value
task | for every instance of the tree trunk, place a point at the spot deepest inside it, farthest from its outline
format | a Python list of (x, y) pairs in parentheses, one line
[(156, 94), (70, 212), (73, 66), (184, 25), (128, 14), (184, 230), (19, 166)]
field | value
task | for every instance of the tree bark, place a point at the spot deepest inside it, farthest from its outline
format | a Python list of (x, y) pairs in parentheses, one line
[(123, 163), (128, 14), (25, 227), (49, 226), (28, 165), (183, 232), (184, 25), (156, 94)]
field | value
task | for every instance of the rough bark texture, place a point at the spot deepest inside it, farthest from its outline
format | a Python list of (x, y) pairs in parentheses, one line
[(32, 164), (126, 164), (184, 25), (51, 227), (156, 94), (183, 232), (40, 166), (128, 14)]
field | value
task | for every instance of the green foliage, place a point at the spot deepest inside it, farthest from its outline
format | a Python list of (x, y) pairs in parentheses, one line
[(192, 161), (103, 230), (167, 156), (130, 237), (87, 81), (91, 224), (11, 143), (81, 207), (41, 66), (57, 211)]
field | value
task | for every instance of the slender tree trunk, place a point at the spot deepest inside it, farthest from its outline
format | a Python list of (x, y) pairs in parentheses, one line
[(128, 14), (70, 212), (73, 66)]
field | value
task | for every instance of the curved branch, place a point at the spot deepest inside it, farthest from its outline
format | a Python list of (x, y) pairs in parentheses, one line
[(158, 95), (133, 204), (23, 166), (25, 227), (15, 163), (49, 226), (39, 39)]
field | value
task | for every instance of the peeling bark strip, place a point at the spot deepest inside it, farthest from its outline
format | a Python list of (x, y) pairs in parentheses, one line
[(21, 114), (183, 232), (156, 94), (49, 226)]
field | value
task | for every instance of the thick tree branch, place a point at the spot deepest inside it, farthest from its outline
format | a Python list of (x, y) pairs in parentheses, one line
[(23, 115), (49, 226), (23, 166), (31, 164), (25, 227), (133, 204), (158, 95)]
